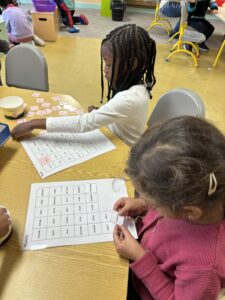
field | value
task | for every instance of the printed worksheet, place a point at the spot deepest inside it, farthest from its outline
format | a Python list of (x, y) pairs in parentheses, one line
[(53, 152), (73, 212)]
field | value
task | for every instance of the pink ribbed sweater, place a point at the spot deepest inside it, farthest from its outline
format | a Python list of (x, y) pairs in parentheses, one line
[(183, 261)]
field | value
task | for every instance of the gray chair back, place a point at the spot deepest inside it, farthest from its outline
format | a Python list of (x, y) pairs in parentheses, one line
[(26, 67), (177, 102)]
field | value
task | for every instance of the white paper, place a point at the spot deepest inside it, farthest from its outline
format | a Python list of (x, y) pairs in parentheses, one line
[(116, 218), (72, 213), (53, 152)]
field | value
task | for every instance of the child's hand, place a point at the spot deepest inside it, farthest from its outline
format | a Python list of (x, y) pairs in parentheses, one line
[(92, 107), (126, 245), (27, 127), (21, 130), (4, 222), (130, 207)]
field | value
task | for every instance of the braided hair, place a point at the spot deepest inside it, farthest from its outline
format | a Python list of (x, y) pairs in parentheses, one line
[(134, 53)]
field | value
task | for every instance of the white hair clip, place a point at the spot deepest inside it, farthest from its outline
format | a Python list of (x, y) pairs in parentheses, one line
[(212, 184)]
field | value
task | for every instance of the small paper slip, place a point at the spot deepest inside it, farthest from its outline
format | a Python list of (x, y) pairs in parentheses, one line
[(54, 152), (116, 218), (73, 212)]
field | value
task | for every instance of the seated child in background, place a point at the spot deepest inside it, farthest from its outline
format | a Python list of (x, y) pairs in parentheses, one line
[(67, 10), (18, 24), (171, 9), (180, 251), (5, 225), (4, 48), (196, 18), (129, 56)]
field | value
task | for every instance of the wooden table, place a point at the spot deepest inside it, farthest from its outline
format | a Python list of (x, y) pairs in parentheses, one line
[(83, 272)]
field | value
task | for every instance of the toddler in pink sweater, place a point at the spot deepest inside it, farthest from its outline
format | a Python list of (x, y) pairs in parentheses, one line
[(178, 167)]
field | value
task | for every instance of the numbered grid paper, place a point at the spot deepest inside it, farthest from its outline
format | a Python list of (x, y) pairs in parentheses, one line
[(72, 213), (53, 152)]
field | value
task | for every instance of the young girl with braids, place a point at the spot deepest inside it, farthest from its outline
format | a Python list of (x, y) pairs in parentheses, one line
[(180, 252), (129, 56)]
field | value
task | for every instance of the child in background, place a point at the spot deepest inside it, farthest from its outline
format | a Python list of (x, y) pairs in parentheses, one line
[(4, 48), (67, 10), (171, 9), (180, 251), (196, 18), (18, 24), (129, 56)]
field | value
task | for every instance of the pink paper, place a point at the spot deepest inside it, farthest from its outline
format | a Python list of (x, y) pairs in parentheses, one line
[(30, 114), (40, 112), (40, 100), (21, 121), (63, 113), (48, 111), (44, 160), (57, 107), (34, 107), (56, 98), (46, 104), (35, 94), (79, 112)]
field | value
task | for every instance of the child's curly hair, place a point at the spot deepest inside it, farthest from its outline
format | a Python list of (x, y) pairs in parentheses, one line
[(173, 163)]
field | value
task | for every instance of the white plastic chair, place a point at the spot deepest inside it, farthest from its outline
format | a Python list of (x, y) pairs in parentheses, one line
[(26, 67), (177, 102)]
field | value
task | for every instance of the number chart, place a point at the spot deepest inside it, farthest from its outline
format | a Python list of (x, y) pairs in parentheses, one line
[(53, 152), (73, 212)]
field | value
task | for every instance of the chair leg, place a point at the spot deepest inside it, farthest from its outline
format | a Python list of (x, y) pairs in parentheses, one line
[(184, 51), (173, 36), (158, 21), (178, 46), (218, 54)]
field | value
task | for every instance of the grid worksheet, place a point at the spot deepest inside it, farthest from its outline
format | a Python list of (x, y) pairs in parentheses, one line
[(73, 212), (53, 152)]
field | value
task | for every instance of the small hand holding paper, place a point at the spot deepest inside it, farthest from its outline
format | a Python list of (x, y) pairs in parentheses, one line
[(130, 207), (126, 245)]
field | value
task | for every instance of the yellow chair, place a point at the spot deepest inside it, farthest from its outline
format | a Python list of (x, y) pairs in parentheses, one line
[(218, 54), (158, 21), (186, 37)]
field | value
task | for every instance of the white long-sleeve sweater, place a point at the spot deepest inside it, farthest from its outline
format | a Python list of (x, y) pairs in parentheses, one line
[(125, 115)]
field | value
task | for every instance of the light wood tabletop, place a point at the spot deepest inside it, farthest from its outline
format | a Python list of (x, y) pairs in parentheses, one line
[(82, 272)]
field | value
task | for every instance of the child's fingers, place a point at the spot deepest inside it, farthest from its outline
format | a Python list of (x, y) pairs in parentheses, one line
[(119, 204), (125, 231), (3, 210), (116, 234)]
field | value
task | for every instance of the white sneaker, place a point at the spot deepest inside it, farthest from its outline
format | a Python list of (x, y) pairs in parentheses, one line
[(38, 41)]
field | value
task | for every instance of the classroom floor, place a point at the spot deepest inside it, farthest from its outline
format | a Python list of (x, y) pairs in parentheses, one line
[(74, 65)]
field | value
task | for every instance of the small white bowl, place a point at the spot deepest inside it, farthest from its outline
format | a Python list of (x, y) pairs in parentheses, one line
[(12, 107)]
